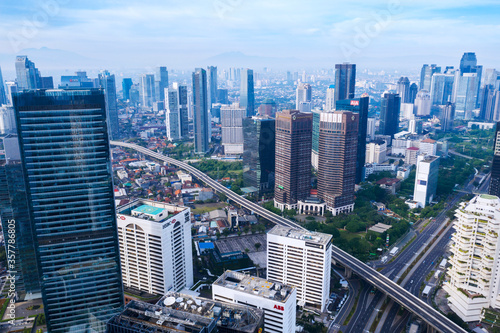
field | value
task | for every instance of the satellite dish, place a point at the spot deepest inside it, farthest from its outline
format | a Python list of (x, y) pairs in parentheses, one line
[(169, 301)]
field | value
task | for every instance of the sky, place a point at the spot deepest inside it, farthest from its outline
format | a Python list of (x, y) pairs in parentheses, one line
[(299, 34)]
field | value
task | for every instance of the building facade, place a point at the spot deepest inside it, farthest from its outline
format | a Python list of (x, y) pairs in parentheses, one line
[(200, 105), (301, 259), (277, 300), (232, 128), (389, 114), (495, 165), (172, 114), (345, 81), (474, 279), (155, 246), (65, 156), (108, 83), (247, 96), (293, 158), (426, 179)]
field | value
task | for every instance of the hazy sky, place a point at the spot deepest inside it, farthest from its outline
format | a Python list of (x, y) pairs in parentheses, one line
[(181, 33)]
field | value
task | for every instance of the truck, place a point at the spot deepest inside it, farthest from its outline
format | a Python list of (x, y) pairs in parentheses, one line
[(384, 259), (394, 251), (442, 265), (426, 291), (436, 275)]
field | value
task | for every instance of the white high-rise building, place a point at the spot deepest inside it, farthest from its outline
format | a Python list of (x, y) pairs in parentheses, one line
[(278, 301), (330, 98), (370, 128), (423, 103), (376, 152), (232, 128), (474, 275), (406, 111), (303, 94), (155, 246), (172, 114), (428, 147), (426, 179), (301, 259)]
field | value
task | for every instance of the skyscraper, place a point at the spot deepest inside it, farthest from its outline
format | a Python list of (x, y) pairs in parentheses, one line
[(65, 156), (423, 104), (490, 105), (293, 158), (259, 153), (247, 97), (465, 90), (28, 76), (426, 179), (148, 90), (447, 117), (126, 86), (338, 140), (389, 114), (232, 128), (473, 283), (3, 96), (359, 106), (441, 88), (495, 165), (108, 83), (426, 76), (468, 63), (413, 93), (315, 137), (404, 89), (211, 85), (172, 116), (200, 104), (345, 81), (182, 99), (330, 98), (161, 83), (303, 95)]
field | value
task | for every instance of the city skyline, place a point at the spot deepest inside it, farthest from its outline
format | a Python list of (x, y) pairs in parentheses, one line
[(382, 34)]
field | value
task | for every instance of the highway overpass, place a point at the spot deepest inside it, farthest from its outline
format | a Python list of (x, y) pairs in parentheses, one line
[(433, 318)]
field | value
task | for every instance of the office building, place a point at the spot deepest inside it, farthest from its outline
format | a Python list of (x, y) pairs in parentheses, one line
[(212, 85), (28, 76), (490, 104), (108, 83), (428, 147), (71, 206), (413, 93), (495, 165), (176, 312), (426, 179), (315, 138), (465, 92), (247, 97), (468, 63), (406, 111), (126, 86), (10, 89), (303, 95), (359, 106), (389, 114), (426, 76), (370, 129), (161, 83), (301, 259), (473, 283), (259, 153), (232, 128), (376, 152), (267, 108), (182, 100), (345, 81), (3, 96), (155, 246), (403, 89), (222, 96), (447, 117), (172, 114), (77, 81), (330, 98), (277, 300), (338, 141), (422, 104), (148, 90), (200, 106), (7, 120), (441, 88), (411, 154), (293, 158)]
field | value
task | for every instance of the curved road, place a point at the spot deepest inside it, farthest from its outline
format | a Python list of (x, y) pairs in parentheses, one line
[(400, 295)]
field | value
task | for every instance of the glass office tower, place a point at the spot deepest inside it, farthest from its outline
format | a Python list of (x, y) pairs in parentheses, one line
[(64, 150)]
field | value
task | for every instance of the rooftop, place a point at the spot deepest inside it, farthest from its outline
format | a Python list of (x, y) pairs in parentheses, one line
[(309, 236), (255, 286), (428, 141), (412, 148), (148, 209)]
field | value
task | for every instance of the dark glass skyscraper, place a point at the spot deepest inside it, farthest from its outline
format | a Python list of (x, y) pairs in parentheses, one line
[(359, 106), (161, 82), (404, 89), (126, 86), (389, 114), (413, 93), (28, 76), (468, 63), (108, 83), (65, 158), (3, 96), (345, 81), (211, 85), (200, 104), (258, 153), (495, 166), (247, 97)]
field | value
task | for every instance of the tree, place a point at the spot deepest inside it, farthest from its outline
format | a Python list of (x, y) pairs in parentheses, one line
[(222, 197), (257, 246), (226, 232)]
